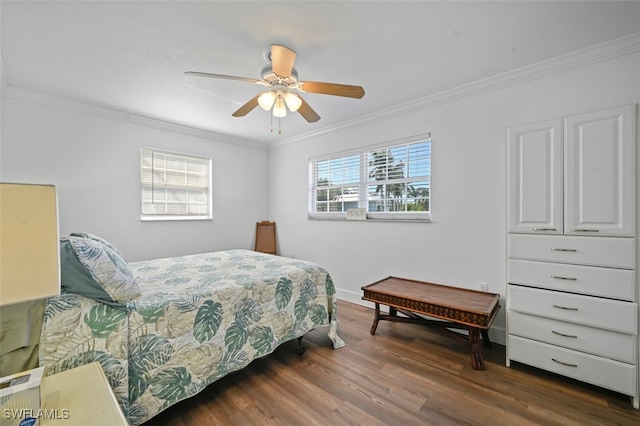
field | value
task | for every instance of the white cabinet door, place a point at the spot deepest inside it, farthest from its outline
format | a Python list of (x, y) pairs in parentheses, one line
[(535, 178), (599, 168)]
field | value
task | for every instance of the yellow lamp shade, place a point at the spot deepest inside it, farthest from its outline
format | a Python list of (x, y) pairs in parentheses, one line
[(29, 243)]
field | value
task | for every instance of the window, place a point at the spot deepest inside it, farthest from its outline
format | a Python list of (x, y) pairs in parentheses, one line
[(174, 186), (390, 181)]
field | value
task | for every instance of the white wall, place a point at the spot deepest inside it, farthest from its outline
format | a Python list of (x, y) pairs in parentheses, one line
[(466, 240), (94, 162)]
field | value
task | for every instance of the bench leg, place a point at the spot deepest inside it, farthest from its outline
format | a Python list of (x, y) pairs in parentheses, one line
[(376, 318), (477, 361), (485, 339)]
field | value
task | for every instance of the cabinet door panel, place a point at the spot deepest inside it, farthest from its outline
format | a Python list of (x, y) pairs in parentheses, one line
[(599, 167), (535, 180)]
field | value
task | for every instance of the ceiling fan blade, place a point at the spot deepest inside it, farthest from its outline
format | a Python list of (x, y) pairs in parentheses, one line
[(247, 108), (282, 59), (345, 90), (228, 77), (307, 112)]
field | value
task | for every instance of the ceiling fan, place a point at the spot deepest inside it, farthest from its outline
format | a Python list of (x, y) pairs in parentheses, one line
[(281, 80)]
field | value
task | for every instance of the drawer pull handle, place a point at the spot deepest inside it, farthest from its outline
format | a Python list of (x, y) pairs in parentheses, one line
[(565, 308), (558, 277), (544, 229), (584, 230), (564, 335), (564, 363), (562, 249)]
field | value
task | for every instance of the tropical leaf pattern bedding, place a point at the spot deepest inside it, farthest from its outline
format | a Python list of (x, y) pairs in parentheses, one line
[(199, 318)]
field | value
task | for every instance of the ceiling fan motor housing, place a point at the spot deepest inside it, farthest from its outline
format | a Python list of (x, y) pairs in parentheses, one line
[(269, 76)]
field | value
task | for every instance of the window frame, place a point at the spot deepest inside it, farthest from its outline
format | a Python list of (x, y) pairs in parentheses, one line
[(204, 161), (365, 181)]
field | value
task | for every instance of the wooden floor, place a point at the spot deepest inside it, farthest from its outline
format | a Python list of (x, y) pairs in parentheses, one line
[(406, 374)]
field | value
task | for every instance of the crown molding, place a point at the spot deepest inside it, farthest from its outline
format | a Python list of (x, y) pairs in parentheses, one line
[(579, 58), (123, 116), (590, 55)]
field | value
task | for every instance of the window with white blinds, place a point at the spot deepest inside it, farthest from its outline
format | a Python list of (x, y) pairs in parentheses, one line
[(391, 181), (336, 183), (174, 186)]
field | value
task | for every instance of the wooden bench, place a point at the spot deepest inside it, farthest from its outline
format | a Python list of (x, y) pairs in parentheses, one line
[(455, 309)]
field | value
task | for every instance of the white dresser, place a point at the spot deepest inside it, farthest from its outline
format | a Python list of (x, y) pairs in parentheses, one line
[(572, 296)]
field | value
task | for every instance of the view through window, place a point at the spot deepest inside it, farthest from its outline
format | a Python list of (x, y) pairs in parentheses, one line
[(390, 181)]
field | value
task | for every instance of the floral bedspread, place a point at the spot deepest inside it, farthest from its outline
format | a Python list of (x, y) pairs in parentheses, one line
[(199, 318)]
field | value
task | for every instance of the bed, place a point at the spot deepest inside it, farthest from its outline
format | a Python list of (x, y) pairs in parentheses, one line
[(164, 329)]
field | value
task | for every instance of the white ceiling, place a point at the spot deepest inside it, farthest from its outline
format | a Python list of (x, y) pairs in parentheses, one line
[(131, 55)]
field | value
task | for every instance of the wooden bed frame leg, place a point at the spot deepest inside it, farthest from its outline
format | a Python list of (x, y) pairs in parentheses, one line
[(301, 348)]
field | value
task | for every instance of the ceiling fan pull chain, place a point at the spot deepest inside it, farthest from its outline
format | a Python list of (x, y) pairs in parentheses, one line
[(279, 125)]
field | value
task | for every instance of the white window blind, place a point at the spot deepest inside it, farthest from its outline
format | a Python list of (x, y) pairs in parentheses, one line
[(391, 181), (174, 186), (337, 183)]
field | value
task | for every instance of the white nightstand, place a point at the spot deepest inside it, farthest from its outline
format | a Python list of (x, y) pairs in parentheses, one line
[(80, 396)]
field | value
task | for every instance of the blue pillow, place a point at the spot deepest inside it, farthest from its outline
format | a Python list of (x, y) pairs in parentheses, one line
[(94, 270)]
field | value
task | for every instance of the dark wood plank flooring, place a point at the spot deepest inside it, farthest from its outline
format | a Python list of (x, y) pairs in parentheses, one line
[(406, 374)]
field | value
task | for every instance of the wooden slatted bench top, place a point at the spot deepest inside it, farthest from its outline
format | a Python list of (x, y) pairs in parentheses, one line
[(468, 309)]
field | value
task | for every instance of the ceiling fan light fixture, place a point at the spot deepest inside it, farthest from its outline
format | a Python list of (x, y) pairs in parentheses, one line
[(266, 100), (293, 101), (279, 108)]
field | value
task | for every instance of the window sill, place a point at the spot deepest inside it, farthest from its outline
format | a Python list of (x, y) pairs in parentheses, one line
[(173, 218), (343, 219)]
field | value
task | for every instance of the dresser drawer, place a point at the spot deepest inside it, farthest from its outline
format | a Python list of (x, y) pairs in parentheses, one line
[(595, 251), (610, 374), (604, 282), (609, 344), (586, 310)]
